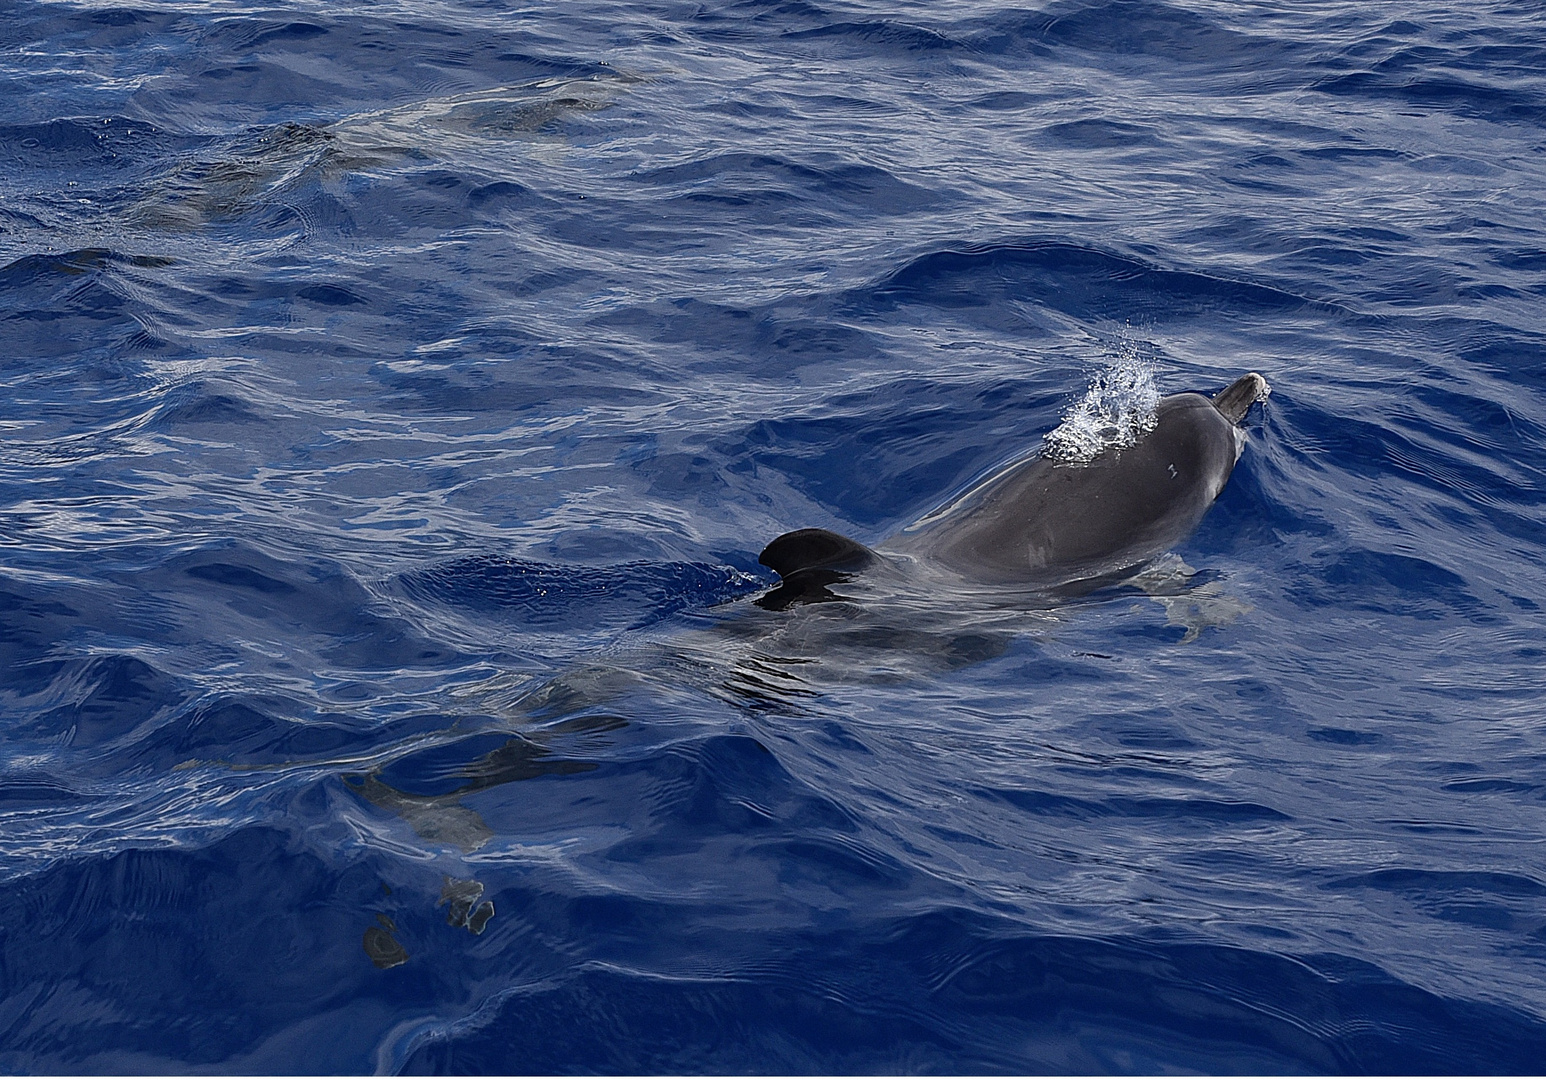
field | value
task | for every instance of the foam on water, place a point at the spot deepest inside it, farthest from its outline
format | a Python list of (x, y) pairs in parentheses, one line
[(1114, 412)]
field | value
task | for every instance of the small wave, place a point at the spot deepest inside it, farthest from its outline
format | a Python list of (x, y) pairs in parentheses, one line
[(634, 594), (1116, 409)]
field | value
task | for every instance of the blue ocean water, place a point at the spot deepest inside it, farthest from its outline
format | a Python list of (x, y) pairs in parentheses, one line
[(396, 398)]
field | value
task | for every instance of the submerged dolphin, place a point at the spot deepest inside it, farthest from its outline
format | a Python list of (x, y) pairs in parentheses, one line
[(1037, 527), (1045, 526)]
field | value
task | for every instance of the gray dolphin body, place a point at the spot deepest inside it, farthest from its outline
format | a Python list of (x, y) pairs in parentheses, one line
[(1039, 525)]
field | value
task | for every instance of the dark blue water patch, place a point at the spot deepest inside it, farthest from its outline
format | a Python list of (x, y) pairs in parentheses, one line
[(277, 959), (117, 715), (1508, 903), (1391, 583), (102, 28), (1527, 259), (890, 453), (1127, 29), (1048, 669), (1299, 1015), (1072, 278), (42, 792), (614, 225), (872, 38), (1344, 736), (1160, 728), (1472, 421), (329, 295), (1415, 77), (742, 20), (984, 993), (1166, 812), (240, 577), (581, 598), (500, 194), (1438, 456), (1098, 134), (310, 602), (1007, 101), (1517, 358), (760, 181), (1375, 155), (1491, 785), (540, 380), (732, 788), (201, 403), (947, 986), (1417, 883), (86, 306), (86, 142), (711, 199), (240, 34), (33, 620), (108, 697), (248, 732), (767, 344), (50, 270)]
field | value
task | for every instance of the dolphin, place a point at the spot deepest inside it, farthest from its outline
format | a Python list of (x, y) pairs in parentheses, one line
[(1043, 526), (1037, 527)]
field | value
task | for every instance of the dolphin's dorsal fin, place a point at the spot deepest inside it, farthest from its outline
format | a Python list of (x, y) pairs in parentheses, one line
[(1236, 399), (807, 549), (809, 560)]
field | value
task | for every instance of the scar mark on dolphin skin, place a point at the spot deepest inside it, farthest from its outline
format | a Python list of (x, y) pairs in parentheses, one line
[(384, 950), (462, 895)]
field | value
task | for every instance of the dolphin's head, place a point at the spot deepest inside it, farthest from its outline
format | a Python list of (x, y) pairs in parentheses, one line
[(1236, 399)]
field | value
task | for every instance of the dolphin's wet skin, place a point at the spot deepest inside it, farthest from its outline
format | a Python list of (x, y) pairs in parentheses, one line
[(1048, 526)]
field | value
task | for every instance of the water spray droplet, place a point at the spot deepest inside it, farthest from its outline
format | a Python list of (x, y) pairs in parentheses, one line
[(1114, 412)]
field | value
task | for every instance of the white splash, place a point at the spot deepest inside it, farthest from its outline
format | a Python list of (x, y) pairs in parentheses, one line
[(1116, 409)]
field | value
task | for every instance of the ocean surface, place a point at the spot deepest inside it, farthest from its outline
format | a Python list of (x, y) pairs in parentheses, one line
[(397, 396)]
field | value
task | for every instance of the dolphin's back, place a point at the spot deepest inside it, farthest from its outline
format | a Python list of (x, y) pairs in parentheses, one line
[(1046, 524)]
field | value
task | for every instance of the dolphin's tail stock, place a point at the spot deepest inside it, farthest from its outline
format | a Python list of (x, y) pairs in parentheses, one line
[(1236, 399), (809, 560)]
